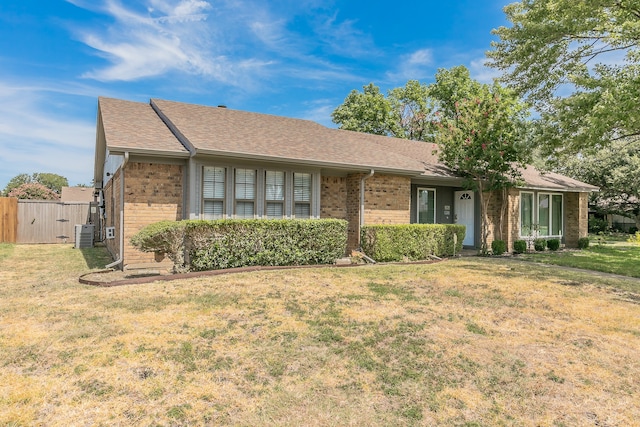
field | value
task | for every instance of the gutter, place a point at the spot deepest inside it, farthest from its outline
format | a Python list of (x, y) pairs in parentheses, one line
[(362, 185), (121, 254)]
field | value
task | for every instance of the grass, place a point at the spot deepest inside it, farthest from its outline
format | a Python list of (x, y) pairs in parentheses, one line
[(615, 256), (472, 341)]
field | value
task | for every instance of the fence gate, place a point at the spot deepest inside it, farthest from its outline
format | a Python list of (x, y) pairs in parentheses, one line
[(44, 221), (8, 219)]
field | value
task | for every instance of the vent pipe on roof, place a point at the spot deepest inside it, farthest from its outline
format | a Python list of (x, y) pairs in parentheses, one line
[(222, 106)]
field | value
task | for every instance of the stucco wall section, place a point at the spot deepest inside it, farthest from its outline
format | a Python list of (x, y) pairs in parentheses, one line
[(153, 192), (333, 197)]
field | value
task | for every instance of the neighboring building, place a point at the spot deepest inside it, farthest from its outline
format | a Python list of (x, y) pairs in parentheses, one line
[(77, 194), (170, 161)]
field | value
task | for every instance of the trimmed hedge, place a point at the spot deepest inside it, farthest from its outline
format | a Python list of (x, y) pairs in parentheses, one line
[(553, 244), (519, 246), (498, 247), (415, 242), (196, 245), (540, 244), (583, 243)]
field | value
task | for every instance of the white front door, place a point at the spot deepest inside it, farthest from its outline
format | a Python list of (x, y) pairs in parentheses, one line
[(464, 214)]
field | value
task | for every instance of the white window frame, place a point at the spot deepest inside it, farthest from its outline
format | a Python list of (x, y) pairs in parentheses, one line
[(296, 202), (535, 220), (237, 199), (282, 202), (435, 212), (223, 199)]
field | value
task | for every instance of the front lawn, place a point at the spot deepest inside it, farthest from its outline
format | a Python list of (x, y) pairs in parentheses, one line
[(467, 342), (617, 257)]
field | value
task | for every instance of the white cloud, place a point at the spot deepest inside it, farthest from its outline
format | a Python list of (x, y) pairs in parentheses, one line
[(417, 65), (481, 72)]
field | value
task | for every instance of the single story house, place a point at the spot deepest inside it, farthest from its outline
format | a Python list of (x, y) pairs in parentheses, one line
[(169, 160)]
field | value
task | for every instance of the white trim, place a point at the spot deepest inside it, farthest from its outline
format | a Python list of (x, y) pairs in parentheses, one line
[(535, 220)]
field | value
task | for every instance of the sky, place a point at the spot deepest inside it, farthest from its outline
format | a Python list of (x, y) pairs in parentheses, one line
[(294, 58)]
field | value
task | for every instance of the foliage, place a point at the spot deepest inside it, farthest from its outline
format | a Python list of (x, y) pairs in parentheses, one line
[(411, 241), (208, 245), (367, 111), (583, 243), (615, 169), (597, 225), (33, 191), (519, 246), (52, 181), (412, 105), (553, 244), (635, 238), (590, 47), (498, 247), (540, 244), (479, 131)]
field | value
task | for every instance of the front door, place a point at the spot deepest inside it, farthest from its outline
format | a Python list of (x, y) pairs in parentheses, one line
[(464, 214)]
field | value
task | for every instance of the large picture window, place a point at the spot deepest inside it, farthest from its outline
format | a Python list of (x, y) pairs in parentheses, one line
[(541, 214), (302, 195), (426, 206), (245, 193), (274, 184), (213, 192)]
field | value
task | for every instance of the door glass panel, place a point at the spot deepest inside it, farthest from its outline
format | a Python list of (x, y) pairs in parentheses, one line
[(543, 214), (426, 206), (556, 216)]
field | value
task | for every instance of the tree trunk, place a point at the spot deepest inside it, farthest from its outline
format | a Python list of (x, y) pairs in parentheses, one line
[(484, 226)]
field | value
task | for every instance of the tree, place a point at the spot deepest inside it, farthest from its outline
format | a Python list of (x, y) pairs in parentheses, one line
[(367, 111), (34, 191), (479, 130), (412, 107), (52, 181), (589, 48), (616, 170)]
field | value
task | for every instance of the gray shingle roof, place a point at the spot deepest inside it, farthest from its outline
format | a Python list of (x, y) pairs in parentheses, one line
[(137, 127)]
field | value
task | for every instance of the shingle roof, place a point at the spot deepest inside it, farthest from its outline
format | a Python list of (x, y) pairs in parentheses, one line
[(134, 126), (220, 131)]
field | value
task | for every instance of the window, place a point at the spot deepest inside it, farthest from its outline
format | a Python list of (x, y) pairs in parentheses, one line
[(526, 214), (274, 194), (302, 195), (245, 193), (544, 217), (426, 206), (213, 192)]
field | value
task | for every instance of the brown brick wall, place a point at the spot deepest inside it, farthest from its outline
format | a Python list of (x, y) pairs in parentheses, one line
[(353, 211), (576, 217), (153, 192), (333, 197)]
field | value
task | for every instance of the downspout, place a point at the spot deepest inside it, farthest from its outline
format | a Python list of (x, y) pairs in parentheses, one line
[(364, 178), (121, 254)]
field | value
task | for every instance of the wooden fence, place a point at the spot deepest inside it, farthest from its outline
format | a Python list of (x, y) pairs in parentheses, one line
[(8, 220), (43, 221)]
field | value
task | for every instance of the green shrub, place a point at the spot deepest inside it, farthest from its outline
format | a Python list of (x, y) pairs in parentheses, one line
[(519, 246), (553, 244), (598, 225), (635, 238), (411, 241), (583, 243), (498, 247), (209, 245), (540, 244)]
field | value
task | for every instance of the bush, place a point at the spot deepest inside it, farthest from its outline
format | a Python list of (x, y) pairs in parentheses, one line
[(553, 244), (498, 247), (540, 244), (583, 243), (411, 241), (635, 238), (209, 245), (598, 225), (633, 230), (519, 246)]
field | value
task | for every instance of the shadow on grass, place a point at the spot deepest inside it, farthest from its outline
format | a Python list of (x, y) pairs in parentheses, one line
[(96, 257)]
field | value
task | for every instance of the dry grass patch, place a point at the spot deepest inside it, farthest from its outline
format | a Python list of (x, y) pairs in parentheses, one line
[(469, 342)]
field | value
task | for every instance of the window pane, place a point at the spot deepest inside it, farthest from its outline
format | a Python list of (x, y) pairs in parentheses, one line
[(556, 212), (213, 183), (244, 209), (543, 214), (245, 183), (426, 206), (274, 210), (303, 210), (274, 185), (213, 209), (302, 187), (526, 213)]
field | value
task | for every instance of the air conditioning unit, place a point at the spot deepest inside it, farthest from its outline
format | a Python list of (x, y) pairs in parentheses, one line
[(84, 236)]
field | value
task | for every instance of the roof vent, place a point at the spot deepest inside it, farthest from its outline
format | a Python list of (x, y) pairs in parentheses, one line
[(222, 106)]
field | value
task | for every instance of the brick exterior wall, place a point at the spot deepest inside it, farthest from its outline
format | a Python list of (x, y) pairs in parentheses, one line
[(387, 200), (576, 217), (111, 194), (153, 192), (333, 197)]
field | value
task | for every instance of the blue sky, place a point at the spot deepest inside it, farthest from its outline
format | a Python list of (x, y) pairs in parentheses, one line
[(296, 58)]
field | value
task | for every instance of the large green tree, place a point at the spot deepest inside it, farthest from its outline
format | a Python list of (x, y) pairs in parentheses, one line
[(616, 170), (579, 63), (480, 132), (367, 111), (52, 181)]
